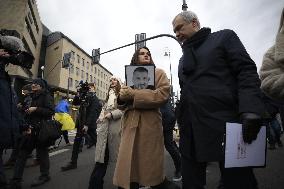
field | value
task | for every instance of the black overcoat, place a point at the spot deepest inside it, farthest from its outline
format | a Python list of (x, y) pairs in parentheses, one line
[(9, 129), (219, 81)]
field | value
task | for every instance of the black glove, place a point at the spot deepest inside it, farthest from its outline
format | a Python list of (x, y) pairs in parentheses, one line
[(251, 126)]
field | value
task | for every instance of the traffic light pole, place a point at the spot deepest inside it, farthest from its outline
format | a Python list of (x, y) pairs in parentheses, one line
[(146, 39)]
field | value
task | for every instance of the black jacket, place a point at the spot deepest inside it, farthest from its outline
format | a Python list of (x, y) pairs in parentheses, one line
[(88, 115), (219, 81), (9, 129), (93, 110), (45, 108)]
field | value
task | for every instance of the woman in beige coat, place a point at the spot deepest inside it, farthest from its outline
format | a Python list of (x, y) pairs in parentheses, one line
[(272, 69), (108, 135), (141, 154)]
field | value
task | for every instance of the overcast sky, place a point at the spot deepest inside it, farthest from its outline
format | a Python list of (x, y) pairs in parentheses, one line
[(108, 24)]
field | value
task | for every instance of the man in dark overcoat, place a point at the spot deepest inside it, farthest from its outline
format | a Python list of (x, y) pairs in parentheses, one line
[(9, 129), (219, 83), (86, 123)]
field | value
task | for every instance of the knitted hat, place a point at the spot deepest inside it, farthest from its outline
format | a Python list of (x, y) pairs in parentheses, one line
[(40, 82)]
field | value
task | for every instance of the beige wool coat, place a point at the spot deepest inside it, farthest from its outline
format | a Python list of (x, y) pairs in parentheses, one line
[(108, 130), (272, 69), (141, 152)]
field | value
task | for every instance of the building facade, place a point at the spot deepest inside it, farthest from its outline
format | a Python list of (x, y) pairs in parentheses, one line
[(81, 67), (48, 48), (23, 17)]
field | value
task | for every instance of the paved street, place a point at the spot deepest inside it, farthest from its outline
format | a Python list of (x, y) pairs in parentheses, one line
[(272, 177)]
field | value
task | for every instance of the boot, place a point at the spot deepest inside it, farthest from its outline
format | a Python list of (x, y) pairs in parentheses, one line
[(272, 147), (166, 184), (9, 164), (69, 166), (40, 180), (177, 177), (280, 144), (15, 184)]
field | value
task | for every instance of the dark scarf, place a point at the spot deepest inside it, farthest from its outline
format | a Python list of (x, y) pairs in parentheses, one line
[(189, 46)]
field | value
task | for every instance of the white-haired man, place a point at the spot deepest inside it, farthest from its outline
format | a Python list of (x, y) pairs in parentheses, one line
[(219, 83)]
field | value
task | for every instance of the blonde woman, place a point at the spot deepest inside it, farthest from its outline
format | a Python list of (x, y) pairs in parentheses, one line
[(108, 135), (272, 69)]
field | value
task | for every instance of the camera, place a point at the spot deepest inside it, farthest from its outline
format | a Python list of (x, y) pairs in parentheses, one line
[(14, 46), (83, 90)]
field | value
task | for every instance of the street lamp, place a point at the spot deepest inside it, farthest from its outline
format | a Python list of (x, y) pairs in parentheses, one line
[(168, 53), (42, 69)]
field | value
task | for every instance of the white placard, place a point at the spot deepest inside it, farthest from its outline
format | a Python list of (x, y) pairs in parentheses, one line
[(240, 154)]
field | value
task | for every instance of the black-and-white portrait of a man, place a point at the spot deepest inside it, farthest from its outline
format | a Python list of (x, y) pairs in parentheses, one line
[(140, 77)]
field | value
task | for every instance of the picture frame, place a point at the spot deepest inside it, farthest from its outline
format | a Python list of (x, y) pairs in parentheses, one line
[(140, 76)]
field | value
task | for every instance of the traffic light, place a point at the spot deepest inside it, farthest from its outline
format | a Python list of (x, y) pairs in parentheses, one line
[(66, 60), (96, 56)]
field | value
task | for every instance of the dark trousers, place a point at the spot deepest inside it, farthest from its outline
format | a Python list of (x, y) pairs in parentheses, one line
[(91, 136), (194, 175), (2, 174), (76, 147), (273, 131), (65, 136), (22, 158), (99, 172), (172, 148)]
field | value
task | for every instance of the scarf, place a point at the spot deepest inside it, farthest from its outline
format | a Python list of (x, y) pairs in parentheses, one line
[(189, 56)]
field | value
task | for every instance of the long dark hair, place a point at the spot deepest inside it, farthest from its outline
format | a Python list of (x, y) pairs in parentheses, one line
[(134, 60)]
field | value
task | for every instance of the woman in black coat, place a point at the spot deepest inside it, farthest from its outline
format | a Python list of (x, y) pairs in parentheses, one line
[(42, 108)]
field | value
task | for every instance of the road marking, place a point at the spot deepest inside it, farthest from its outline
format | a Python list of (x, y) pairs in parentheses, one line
[(58, 152)]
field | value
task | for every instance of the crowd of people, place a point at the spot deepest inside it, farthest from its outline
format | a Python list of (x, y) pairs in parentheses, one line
[(134, 125)]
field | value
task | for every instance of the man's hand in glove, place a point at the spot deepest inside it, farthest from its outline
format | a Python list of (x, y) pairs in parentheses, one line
[(126, 93), (251, 126)]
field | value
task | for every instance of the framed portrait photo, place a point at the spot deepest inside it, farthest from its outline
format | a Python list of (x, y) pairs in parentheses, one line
[(140, 76)]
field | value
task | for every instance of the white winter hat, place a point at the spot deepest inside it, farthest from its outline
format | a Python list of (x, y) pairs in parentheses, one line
[(117, 78)]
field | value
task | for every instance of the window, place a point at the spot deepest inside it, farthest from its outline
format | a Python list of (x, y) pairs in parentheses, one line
[(102, 74), (30, 18), (99, 72), (29, 29), (72, 55), (78, 58), (101, 84), (82, 74), (77, 71), (87, 65), (95, 70), (71, 68), (98, 82), (76, 83), (70, 82), (91, 79), (83, 62), (87, 76), (92, 67)]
